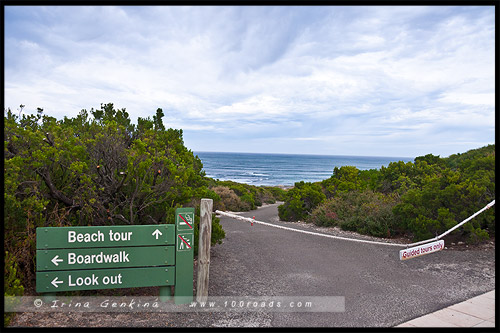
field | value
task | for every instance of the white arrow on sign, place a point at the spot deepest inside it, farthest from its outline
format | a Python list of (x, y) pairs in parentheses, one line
[(56, 260), (157, 233), (55, 282)]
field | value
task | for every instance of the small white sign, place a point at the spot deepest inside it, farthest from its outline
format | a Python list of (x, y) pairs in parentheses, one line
[(420, 250)]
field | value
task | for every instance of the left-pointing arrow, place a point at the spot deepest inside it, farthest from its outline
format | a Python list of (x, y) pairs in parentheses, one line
[(56, 260), (55, 282)]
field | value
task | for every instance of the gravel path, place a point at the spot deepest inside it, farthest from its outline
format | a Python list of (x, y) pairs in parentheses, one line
[(378, 289)]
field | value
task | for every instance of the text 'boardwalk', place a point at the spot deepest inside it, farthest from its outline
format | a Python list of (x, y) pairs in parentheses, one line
[(108, 257)]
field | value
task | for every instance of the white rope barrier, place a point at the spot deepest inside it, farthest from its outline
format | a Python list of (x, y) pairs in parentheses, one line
[(247, 219)]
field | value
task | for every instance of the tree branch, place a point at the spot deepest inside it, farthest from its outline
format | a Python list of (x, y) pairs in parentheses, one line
[(55, 193), (121, 218)]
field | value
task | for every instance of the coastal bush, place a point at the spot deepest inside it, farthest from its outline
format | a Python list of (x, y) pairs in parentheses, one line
[(366, 212), (13, 285), (228, 200), (344, 179), (273, 194), (243, 197), (300, 201), (92, 170), (269, 195), (426, 197), (445, 200)]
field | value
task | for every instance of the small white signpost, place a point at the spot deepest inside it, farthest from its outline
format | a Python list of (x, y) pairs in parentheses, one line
[(417, 251)]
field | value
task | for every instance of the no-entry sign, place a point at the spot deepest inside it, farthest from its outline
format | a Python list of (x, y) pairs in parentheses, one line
[(417, 251)]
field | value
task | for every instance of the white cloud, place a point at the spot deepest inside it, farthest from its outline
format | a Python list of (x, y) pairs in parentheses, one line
[(487, 99), (392, 75)]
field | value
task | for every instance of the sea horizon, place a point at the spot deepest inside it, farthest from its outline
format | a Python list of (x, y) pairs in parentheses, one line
[(283, 169), (301, 154)]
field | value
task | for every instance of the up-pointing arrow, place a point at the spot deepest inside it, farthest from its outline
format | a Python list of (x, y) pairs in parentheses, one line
[(56, 260), (157, 233), (55, 282)]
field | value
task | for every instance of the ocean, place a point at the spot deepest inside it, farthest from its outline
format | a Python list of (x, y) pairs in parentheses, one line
[(283, 169)]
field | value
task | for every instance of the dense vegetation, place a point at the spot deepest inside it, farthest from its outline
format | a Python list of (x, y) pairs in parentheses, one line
[(239, 197), (100, 169), (94, 169), (419, 199)]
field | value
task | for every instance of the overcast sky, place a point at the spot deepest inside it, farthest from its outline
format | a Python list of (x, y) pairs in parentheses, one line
[(375, 81)]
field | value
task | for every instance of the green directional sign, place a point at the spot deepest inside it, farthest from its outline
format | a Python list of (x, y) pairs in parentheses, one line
[(109, 257), (108, 236), (112, 257), (56, 281)]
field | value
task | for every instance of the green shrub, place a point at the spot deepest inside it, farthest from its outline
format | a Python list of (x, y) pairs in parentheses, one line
[(12, 281), (365, 212), (476, 235), (248, 199), (229, 200), (442, 197), (275, 194), (216, 237), (218, 234), (300, 201), (423, 198), (243, 197), (13, 285), (91, 170)]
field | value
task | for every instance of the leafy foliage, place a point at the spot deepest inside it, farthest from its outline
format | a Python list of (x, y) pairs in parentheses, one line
[(239, 197), (420, 199), (300, 200), (94, 169), (454, 189), (12, 282), (366, 212), (344, 179)]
